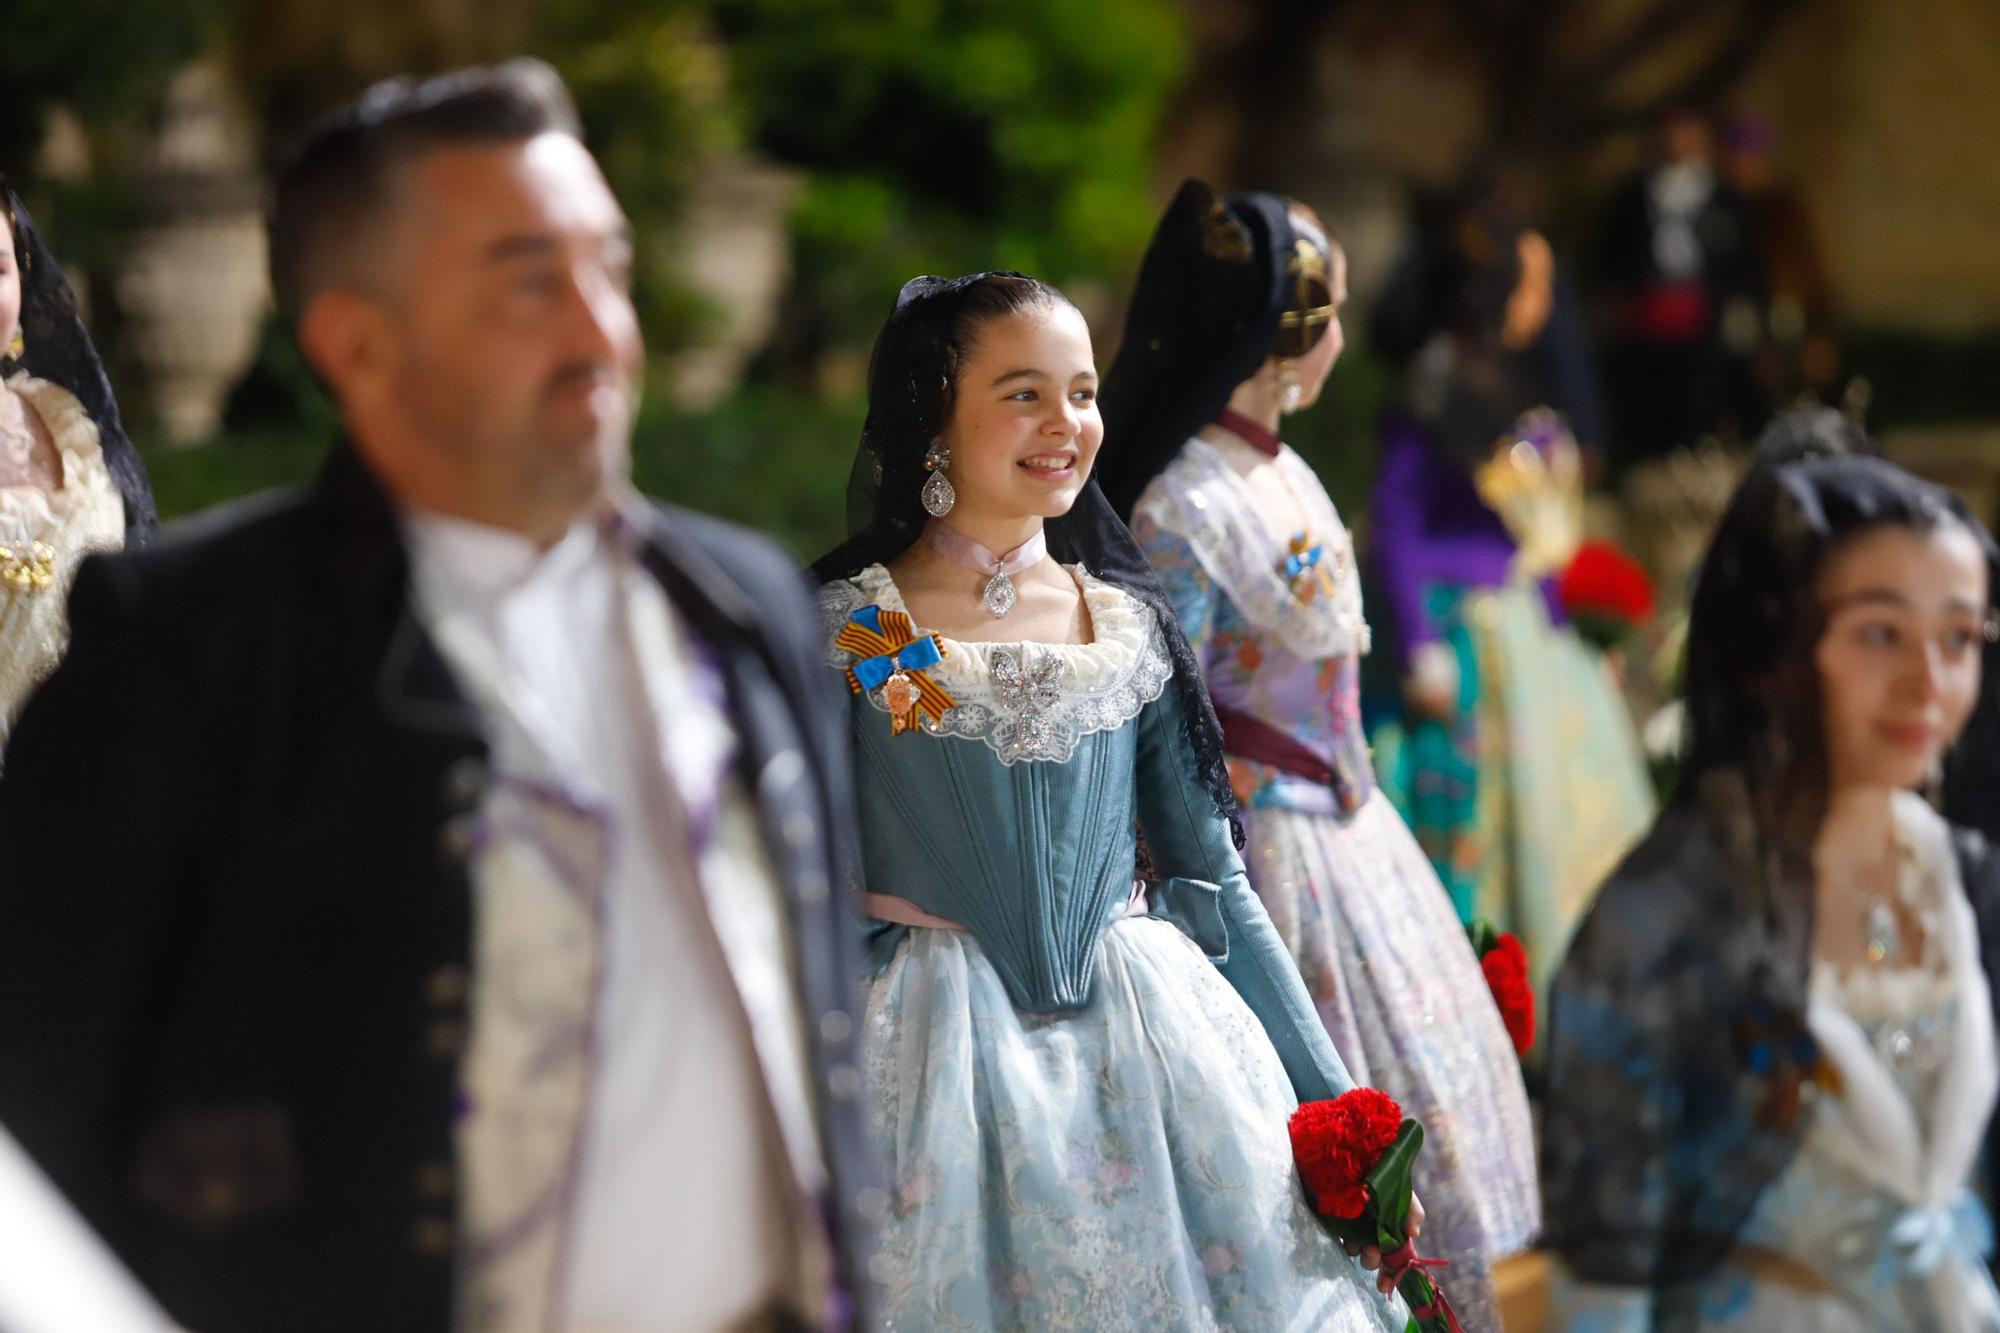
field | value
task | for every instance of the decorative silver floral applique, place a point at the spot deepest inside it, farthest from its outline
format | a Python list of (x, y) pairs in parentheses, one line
[(1201, 501), (1028, 696)]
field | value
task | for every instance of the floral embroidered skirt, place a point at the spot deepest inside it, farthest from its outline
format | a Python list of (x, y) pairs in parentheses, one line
[(1121, 1166), (1402, 996)]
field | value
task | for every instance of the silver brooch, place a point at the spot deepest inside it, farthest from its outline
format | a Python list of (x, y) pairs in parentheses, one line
[(1029, 695)]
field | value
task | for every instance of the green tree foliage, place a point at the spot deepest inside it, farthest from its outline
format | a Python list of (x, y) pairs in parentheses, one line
[(937, 135), (652, 85), (99, 57), (771, 459), (949, 135)]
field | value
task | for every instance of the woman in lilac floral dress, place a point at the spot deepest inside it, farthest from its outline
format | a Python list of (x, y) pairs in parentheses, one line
[(1235, 320)]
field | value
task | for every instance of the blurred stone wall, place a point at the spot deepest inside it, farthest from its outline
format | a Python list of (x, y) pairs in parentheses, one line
[(1888, 116)]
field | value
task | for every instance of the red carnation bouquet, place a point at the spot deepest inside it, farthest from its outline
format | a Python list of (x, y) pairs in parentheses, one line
[(1505, 964), (1605, 593), (1355, 1155)]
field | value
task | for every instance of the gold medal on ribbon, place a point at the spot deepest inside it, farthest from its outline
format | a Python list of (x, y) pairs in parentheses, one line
[(899, 693)]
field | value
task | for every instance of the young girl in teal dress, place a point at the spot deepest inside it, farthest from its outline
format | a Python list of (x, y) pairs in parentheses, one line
[(1081, 1087)]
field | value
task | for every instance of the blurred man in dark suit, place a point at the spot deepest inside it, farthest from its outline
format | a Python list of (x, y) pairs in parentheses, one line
[(419, 893)]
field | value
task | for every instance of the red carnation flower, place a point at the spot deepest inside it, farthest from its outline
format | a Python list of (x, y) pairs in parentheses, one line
[(1377, 1118), (1506, 969), (1337, 1143), (1355, 1155), (1605, 593), (1603, 579)]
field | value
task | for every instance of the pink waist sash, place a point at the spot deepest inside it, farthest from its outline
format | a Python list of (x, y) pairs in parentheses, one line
[(903, 912)]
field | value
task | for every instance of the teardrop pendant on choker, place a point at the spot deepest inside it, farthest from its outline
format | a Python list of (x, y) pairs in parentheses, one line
[(999, 596)]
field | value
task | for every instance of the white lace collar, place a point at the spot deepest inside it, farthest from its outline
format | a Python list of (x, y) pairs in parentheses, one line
[(84, 475), (1200, 498), (1873, 1129), (1029, 701)]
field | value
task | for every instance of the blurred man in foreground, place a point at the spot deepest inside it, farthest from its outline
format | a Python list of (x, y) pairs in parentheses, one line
[(419, 891)]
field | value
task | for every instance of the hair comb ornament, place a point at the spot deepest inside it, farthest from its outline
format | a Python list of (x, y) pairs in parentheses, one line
[(1224, 237), (1306, 264), (1305, 261)]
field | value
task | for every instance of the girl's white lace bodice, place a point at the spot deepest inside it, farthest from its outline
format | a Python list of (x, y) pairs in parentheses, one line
[(85, 513)]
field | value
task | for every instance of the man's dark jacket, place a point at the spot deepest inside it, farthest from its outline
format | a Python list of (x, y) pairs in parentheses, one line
[(235, 915)]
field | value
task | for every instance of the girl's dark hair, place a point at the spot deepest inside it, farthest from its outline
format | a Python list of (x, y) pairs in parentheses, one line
[(1754, 741), (912, 388), (912, 379)]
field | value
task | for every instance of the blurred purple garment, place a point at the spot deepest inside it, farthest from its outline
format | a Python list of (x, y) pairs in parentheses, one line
[(1429, 526)]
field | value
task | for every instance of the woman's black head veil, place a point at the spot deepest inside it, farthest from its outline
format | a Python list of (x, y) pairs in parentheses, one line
[(1211, 292), (910, 380), (58, 349)]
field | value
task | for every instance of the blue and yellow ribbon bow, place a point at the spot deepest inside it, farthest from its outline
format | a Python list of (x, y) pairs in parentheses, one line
[(891, 657), (1305, 570)]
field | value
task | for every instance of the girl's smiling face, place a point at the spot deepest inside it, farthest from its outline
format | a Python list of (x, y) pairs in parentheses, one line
[(1024, 428)]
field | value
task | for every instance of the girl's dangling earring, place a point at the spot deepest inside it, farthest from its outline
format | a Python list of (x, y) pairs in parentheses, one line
[(938, 496), (1290, 395)]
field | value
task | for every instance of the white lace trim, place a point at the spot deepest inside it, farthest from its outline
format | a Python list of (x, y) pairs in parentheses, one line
[(1895, 994), (31, 513), (85, 514), (1028, 701), (1201, 499)]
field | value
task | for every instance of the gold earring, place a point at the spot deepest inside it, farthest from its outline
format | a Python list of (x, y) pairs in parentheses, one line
[(17, 346)]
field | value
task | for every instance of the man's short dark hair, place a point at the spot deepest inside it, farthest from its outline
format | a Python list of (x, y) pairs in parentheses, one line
[(340, 175)]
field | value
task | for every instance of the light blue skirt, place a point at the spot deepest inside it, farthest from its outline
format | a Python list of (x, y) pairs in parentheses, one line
[(1121, 1166)]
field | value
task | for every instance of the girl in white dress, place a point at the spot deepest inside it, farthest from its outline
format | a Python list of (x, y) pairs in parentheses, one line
[(70, 481), (1772, 1056)]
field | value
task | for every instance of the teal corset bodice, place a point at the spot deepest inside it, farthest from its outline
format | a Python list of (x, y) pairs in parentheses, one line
[(1034, 859), (1016, 814)]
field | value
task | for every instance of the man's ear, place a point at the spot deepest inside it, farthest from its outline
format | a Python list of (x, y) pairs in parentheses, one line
[(348, 338)]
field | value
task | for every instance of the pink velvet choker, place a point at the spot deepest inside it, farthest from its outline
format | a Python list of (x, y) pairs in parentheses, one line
[(998, 597)]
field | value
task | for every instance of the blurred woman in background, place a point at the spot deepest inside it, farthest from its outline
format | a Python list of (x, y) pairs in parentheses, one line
[(1771, 1047), (1498, 732), (1235, 323)]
